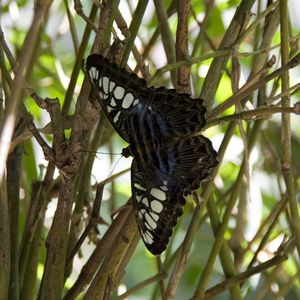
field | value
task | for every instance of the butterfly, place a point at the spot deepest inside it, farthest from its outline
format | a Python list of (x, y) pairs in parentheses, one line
[(169, 158)]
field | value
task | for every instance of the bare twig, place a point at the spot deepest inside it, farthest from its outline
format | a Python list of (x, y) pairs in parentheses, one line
[(142, 284), (221, 287), (286, 159)]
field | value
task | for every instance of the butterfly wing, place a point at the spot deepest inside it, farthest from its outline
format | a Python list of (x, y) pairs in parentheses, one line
[(160, 179), (157, 204), (115, 91), (125, 97), (167, 164)]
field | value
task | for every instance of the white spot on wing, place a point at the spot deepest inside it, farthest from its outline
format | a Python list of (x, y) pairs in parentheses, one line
[(150, 242), (116, 118), (156, 206), (158, 194), (138, 186), (102, 95), (119, 92), (109, 109), (93, 72), (150, 221), (135, 102), (113, 102), (105, 84), (154, 216), (100, 83), (145, 201), (145, 237), (127, 101), (138, 198), (148, 226), (149, 236), (164, 188), (111, 86), (140, 216)]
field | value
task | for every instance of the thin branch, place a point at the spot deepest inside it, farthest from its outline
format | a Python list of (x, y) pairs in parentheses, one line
[(92, 223), (114, 258), (181, 46), (217, 67), (142, 284), (254, 114), (99, 254), (78, 63), (166, 36), (80, 12), (247, 91), (226, 284), (133, 29), (41, 7), (286, 159)]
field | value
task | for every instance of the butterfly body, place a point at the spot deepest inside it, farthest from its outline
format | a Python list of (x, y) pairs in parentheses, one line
[(160, 125)]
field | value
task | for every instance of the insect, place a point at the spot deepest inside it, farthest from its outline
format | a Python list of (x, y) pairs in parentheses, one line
[(160, 126)]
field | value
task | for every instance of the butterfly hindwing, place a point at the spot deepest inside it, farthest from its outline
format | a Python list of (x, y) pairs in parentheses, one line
[(159, 181), (158, 204), (195, 157)]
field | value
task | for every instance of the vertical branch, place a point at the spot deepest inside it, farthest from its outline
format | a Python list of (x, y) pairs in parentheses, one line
[(286, 126), (199, 42), (32, 235), (96, 259), (133, 29), (183, 9), (41, 7), (166, 36), (83, 185), (57, 241), (67, 158), (78, 63), (217, 67), (105, 279), (5, 242), (13, 194), (111, 12)]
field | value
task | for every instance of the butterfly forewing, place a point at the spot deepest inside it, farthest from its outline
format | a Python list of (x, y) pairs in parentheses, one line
[(115, 93), (158, 124), (170, 113)]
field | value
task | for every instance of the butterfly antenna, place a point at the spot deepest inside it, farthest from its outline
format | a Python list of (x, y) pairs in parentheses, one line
[(113, 168), (99, 152)]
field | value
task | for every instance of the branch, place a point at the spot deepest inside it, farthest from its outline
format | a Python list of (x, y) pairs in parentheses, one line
[(228, 283), (254, 114)]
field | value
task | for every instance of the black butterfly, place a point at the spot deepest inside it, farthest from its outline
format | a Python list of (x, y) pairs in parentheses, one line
[(168, 161)]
